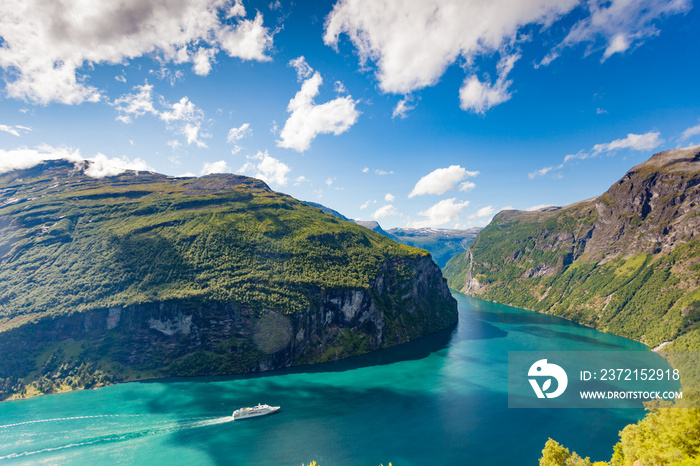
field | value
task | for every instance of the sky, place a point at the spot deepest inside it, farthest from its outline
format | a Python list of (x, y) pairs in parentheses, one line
[(414, 113)]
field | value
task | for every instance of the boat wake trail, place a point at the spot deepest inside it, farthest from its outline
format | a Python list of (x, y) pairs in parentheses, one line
[(18, 424), (164, 428)]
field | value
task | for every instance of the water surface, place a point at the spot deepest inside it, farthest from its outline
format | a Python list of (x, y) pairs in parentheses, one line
[(440, 400)]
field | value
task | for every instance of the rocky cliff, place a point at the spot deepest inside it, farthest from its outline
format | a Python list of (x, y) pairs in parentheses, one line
[(627, 261), (141, 275)]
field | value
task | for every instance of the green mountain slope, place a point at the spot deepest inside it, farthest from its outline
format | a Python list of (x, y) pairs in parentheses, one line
[(143, 275), (626, 262), (441, 243)]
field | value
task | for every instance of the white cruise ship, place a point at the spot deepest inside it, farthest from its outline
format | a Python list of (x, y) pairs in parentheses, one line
[(259, 410)]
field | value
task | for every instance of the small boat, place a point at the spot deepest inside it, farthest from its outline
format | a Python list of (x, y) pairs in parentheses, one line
[(259, 410)]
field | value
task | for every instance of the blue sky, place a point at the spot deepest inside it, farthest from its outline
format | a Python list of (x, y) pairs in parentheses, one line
[(413, 113)]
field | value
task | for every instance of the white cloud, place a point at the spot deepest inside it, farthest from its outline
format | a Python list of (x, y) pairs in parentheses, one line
[(413, 42), (135, 104), (121, 78), (467, 186), (404, 106), (619, 24), (690, 132), (301, 179), (487, 211), (49, 48), (302, 68), (366, 204), (236, 134), (202, 61), (442, 180), (476, 96), (215, 167), (541, 172), (268, 169), (183, 117), (385, 211), (236, 10), (329, 181), (308, 119), (102, 166), (383, 172), (174, 144), (389, 197), (365, 170), (339, 88), (445, 211), (14, 129), (639, 142), (99, 167), (537, 207), (192, 134)]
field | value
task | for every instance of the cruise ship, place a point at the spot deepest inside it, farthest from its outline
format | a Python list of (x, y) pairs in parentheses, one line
[(259, 410)]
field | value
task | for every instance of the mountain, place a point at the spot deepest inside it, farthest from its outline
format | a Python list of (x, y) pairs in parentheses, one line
[(143, 275), (626, 262), (374, 226), (442, 244), (328, 210)]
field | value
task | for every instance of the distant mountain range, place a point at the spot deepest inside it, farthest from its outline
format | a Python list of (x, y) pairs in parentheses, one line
[(441, 243)]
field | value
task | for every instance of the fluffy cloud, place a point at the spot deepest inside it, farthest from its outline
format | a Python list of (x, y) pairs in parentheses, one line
[(49, 48), (308, 119), (14, 129), (366, 204), (183, 117), (477, 96), (690, 132), (487, 211), (102, 166), (236, 134), (445, 211), (412, 42), (389, 197), (385, 211), (537, 207), (442, 180), (268, 169), (215, 167), (135, 104), (302, 68), (99, 167), (638, 142)]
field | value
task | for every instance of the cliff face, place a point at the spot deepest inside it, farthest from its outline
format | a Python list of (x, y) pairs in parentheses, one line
[(625, 262), (142, 275), (185, 338)]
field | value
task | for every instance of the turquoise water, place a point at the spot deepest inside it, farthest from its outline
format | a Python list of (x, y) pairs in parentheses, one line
[(441, 400)]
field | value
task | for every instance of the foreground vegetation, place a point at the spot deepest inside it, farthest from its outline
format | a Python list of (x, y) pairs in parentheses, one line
[(668, 436)]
